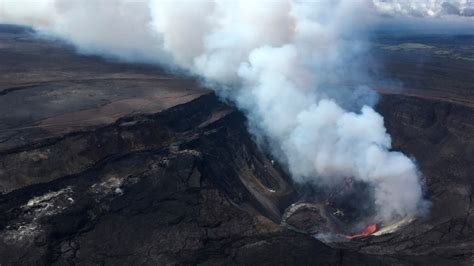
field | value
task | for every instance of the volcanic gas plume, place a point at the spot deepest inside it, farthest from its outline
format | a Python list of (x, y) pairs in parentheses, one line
[(295, 68)]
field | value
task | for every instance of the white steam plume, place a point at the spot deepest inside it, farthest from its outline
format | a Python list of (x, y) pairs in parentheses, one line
[(285, 64)]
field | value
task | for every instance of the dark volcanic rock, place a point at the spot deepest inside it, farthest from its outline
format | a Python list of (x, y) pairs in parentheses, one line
[(160, 190)]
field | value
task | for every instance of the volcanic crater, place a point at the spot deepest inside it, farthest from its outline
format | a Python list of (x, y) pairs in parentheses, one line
[(104, 162)]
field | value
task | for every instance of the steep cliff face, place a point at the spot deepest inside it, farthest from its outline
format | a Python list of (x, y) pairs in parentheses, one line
[(186, 185), (440, 136)]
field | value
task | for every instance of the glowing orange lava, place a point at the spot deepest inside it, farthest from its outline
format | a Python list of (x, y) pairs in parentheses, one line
[(367, 231)]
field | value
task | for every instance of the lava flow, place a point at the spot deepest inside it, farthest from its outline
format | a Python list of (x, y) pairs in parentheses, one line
[(367, 231)]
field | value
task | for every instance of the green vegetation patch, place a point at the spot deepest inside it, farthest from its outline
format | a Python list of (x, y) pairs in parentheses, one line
[(457, 53), (407, 46)]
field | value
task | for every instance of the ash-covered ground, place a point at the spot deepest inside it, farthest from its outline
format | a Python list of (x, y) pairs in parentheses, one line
[(116, 164)]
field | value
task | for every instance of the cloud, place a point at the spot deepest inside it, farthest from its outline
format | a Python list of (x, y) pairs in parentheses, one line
[(425, 8)]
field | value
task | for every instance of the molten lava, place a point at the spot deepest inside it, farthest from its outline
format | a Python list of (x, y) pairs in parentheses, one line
[(367, 231)]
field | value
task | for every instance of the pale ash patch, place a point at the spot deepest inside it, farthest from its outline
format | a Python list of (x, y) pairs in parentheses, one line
[(49, 204), (46, 198), (21, 233), (111, 185)]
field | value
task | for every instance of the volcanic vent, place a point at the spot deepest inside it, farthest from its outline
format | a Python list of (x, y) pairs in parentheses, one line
[(343, 213)]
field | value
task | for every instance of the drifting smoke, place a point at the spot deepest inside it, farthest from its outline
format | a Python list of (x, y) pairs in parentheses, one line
[(286, 64)]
